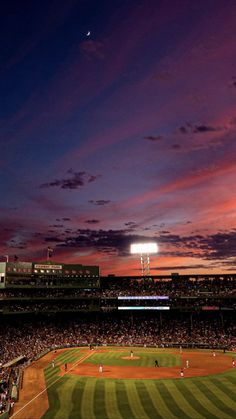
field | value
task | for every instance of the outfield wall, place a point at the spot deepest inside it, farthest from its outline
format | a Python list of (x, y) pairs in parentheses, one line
[(192, 345), (165, 345)]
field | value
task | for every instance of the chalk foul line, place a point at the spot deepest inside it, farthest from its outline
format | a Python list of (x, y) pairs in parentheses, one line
[(55, 381)]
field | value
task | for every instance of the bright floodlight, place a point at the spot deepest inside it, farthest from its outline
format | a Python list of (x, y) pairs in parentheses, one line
[(143, 248)]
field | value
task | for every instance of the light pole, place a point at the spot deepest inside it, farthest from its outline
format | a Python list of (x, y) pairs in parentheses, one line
[(144, 250)]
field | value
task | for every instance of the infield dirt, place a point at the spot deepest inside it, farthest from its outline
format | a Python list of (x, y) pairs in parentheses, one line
[(200, 364), (33, 384)]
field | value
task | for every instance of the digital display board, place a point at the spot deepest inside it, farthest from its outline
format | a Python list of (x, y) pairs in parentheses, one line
[(144, 308), (144, 297), (210, 308)]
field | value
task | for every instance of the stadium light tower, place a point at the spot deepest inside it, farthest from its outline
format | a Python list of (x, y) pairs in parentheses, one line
[(144, 250)]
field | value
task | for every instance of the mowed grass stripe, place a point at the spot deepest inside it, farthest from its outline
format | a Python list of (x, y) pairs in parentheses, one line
[(146, 400), (229, 391), (64, 392), (111, 400), (158, 402), (50, 371), (134, 400), (87, 399), (178, 392), (231, 379), (167, 394), (170, 360), (122, 400), (99, 405), (69, 356), (164, 360), (54, 402), (76, 400), (110, 354), (64, 354), (51, 374), (69, 360), (217, 397), (194, 401), (228, 386), (99, 358), (51, 378), (145, 359), (200, 393)]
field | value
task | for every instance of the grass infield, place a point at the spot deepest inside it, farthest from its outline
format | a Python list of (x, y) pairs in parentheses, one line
[(75, 397), (145, 359)]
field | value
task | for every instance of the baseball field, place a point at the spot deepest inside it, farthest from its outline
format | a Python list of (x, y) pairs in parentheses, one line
[(115, 383)]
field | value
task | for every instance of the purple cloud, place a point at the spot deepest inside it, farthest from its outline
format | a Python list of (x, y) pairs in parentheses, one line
[(77, 180)]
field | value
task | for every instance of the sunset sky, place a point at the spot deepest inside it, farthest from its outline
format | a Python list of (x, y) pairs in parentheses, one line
[(123, 135)]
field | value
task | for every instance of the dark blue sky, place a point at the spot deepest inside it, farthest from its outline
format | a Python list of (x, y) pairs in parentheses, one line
[(124, 135)]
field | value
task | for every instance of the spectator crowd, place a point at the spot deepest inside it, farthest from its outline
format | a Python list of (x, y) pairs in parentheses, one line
[(186, 325), (29, 338)]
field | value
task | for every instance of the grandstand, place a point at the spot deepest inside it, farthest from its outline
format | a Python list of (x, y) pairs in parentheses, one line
[(47, 306)]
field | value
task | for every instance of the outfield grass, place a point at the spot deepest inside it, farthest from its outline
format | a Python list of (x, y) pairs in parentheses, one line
[(74, 397)]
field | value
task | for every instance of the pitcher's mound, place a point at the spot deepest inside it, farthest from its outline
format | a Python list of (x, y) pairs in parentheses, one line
[(130, 357)]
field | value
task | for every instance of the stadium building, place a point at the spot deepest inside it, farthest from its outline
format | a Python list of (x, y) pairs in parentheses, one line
[(47, 274), (59, 312)]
